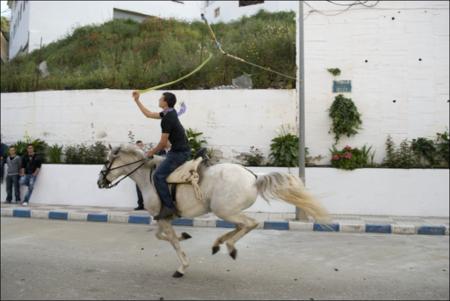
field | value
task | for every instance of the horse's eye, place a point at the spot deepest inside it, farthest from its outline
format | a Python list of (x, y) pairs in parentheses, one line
[(106, 162)]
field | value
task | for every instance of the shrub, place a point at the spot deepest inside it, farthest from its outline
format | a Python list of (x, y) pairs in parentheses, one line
[(253, 158), (195, 141), (284, 150), (421, 152), (54, 154), (40, 146), (83, 154), (351, 158)]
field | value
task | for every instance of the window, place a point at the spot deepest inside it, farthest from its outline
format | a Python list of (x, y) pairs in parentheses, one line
[(246, 3), (217, 12)]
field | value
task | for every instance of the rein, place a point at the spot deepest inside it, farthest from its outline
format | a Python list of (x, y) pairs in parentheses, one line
[(108, 169)]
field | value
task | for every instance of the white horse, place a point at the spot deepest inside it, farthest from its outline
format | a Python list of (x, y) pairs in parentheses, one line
[(227, 189)]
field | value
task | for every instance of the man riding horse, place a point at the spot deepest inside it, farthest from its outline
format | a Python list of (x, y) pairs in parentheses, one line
[(173, 131)]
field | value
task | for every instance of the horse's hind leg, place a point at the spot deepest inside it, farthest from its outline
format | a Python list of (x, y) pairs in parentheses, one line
[(222, 239), (244, 225)]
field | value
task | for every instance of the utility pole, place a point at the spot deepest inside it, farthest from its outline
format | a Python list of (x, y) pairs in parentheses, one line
[(299, 214)]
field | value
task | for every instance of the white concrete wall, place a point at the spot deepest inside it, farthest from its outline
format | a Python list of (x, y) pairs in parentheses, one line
[(53, 20), (392, 48), (412, 192), (232, 120)]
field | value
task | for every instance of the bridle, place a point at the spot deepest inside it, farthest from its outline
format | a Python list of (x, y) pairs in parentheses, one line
[(109, 169)]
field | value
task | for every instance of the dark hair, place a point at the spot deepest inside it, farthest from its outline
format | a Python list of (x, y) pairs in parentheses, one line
[(139, 141), (170, 98), (30, 145)]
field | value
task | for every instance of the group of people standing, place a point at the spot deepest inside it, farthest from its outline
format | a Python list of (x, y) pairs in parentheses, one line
[(21, 170)]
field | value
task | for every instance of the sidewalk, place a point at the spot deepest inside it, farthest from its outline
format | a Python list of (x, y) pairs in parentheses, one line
[(276, 221)]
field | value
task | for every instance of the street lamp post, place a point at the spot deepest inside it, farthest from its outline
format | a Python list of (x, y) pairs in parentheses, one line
[(299, 214)]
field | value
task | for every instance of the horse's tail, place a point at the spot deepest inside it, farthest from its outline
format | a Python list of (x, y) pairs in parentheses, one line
[(290, 188)]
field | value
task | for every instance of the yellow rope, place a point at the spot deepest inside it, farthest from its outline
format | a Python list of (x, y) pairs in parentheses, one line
[(179, 79), (238, 58)]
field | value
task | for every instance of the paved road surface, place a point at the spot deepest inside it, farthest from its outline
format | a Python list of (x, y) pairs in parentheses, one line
[(48, 259)]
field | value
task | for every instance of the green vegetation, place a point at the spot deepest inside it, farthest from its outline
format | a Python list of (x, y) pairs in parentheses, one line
[(418, 153), (124, 54)]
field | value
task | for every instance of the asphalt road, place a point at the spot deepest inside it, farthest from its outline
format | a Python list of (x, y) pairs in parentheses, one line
[(47, 259)]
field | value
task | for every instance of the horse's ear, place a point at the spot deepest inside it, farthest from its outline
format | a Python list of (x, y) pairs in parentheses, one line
[(110, 147)]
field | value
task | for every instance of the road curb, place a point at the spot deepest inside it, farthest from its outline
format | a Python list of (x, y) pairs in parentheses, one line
[(104, 217)]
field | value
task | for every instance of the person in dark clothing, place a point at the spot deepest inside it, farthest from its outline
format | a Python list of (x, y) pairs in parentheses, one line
[(31, 165), (139, 193), (173, 131), (3, 155), (14, 164)]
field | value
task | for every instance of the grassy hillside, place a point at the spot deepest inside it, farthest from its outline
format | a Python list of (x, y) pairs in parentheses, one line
[(123, 54)]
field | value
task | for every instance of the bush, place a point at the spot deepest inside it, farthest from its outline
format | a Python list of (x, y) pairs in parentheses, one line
[(54, 154), (194, 140), (83, 154), (253, 158), (419, 153), (40, 147), (351, 158), (75, 154), (284, 150)]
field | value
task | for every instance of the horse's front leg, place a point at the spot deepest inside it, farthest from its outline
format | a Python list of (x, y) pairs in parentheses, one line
[(168, 233)]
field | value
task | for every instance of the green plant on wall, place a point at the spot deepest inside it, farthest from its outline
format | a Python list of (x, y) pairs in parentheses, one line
[(334, 71), (54, 154), (284, 150), (253, 158), (346, 120), (40, 146), (351, 158), (195, 141)]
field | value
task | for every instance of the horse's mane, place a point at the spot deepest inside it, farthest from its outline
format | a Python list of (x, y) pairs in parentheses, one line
[(133, 150)]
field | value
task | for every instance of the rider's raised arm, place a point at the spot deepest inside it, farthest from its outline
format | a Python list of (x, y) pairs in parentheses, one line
[(144, 110)]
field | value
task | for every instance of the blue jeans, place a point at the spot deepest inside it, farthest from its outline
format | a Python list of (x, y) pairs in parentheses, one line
[(29, 181), (12, 182), (172, 161)]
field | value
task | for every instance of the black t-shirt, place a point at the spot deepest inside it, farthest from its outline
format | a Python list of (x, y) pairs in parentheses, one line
[(31, 163), (170, 124)]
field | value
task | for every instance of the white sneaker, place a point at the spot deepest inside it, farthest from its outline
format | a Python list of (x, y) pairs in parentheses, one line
[(24, 204)]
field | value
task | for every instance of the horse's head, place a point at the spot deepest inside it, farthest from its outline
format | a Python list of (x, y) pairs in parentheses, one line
[(121, 160)]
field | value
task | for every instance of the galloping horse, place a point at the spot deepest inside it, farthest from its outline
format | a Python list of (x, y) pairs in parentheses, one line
[(227, 190)]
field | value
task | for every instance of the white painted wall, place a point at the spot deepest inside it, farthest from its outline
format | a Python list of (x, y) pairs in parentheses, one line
[(232, 120), (53, 20), (414, 192), (420, 29)]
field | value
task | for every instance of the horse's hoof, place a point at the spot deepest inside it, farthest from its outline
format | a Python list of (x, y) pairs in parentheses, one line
[(215, 249), (177, 275), (233, 254), (184, 235)]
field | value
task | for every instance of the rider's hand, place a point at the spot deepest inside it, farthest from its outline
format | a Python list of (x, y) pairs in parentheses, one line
[(136, 95), (149, 154)]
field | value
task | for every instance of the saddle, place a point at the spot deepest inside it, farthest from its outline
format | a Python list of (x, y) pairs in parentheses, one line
[(189, 173)]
